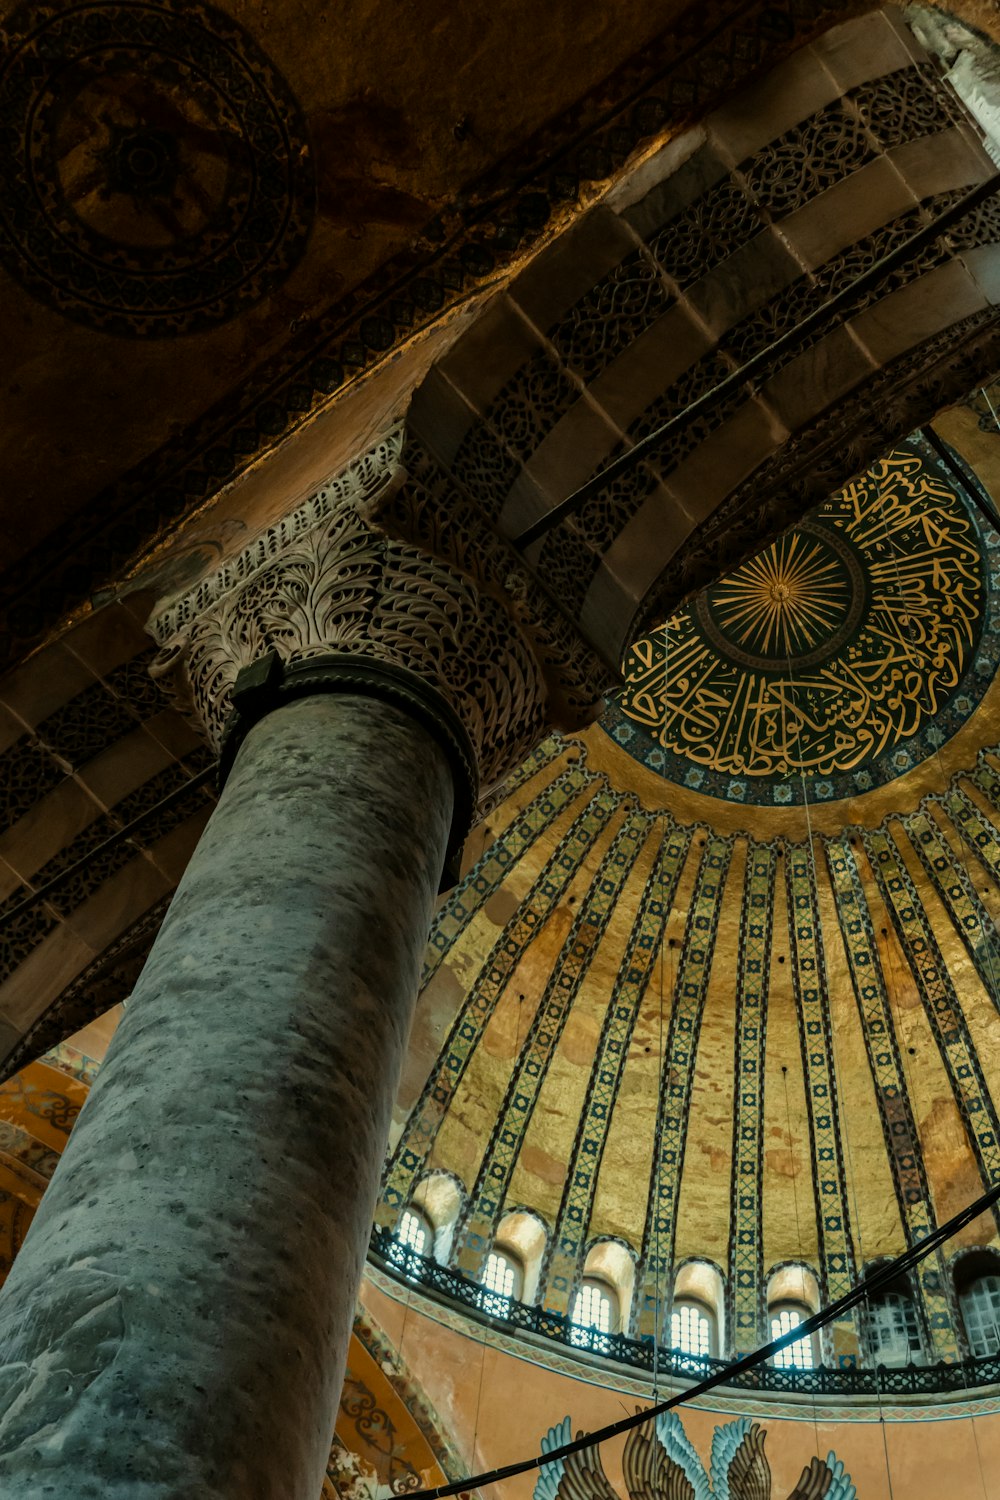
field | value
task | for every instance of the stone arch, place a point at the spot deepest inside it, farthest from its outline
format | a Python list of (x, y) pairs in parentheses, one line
[(714, 260)]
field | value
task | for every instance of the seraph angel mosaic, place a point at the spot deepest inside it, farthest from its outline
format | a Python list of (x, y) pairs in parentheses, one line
[(660, 1463)]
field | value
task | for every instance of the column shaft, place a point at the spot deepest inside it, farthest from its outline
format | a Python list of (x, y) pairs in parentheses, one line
[(177, 1322)]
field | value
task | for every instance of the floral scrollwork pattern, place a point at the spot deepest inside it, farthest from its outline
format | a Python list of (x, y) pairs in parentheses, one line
[(340, 585)]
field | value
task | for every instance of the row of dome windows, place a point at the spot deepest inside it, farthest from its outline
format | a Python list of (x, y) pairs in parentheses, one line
[(601, 1304)]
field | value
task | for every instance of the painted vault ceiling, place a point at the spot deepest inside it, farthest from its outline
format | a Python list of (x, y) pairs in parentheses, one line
[(835, 660), (218, 220), (737, 998), (722, 977)]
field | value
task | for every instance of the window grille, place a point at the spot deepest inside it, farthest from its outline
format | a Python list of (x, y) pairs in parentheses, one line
[(593, 1307), (691, 1329), (501, 1281), (895, 1329), (799, 1355), (980, 1303), (413, 1232)]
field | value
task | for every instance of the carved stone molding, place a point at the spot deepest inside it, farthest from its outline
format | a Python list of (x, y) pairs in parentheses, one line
[(454, 610)]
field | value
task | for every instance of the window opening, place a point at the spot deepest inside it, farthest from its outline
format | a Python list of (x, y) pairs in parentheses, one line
[(414, 1232), (980, 1304), (593, 1316), (501, 1282), (691, 1329), (895, 1329), (799, 1355)]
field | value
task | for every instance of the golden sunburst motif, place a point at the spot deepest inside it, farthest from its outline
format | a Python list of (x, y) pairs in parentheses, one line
[(787, 601), (825, 652)]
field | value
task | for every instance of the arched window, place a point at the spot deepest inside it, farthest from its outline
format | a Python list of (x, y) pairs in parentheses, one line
[(696, 1310), (439, 1198), (502, 1280), (604, 1300), (980, 1304), (977, 1281), (792, 1297), (522, 1236), (414, 1232), (801, 1354), (894, 1328), (594, 1315), (692, 1329)]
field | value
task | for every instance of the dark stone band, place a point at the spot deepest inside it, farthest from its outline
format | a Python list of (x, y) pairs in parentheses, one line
[(269, 682)]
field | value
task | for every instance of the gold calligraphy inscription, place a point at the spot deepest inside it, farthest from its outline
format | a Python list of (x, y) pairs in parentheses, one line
[(832, 646)]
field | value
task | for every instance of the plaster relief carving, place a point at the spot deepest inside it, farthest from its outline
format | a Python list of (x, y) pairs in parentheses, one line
[(328, 579)]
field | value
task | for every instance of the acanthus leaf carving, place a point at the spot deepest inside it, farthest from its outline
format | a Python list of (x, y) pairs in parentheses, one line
[(340, 575)]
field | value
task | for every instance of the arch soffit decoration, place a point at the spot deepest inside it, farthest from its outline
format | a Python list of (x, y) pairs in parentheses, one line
[(702, 258)]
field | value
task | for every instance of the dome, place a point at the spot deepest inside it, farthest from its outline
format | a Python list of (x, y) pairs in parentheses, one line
[(500, 751), (721, 987)]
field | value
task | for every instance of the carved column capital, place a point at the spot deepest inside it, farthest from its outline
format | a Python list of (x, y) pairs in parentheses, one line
[(337, 603)]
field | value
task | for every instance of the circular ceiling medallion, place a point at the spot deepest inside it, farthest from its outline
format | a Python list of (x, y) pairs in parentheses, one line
[(832, 662), (156, 177), (800, 601)]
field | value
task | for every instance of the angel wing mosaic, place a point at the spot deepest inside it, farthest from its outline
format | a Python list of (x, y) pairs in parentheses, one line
[(660, 1463)]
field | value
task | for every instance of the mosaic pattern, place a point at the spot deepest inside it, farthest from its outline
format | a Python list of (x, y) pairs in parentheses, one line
[(837, 1268), (891, 1090), (489, 873), (660, 1459), (746, 1254), (425, 1119), (489, 1193), (569, 1236), (940, 1001), (680, 1051), (956, 891), (664, 86), (980, 835), (987, 778), (832, 662)]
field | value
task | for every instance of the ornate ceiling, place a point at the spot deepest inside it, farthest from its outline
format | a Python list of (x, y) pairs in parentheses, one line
[(721, 978), (736, 997), (814, 1016), (218, 221), (834, 661)]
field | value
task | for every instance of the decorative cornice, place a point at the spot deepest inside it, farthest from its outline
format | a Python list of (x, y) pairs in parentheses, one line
[(551, 1340)]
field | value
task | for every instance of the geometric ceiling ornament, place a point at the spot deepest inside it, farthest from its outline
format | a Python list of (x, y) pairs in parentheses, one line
[(155, 172), (835, 660)]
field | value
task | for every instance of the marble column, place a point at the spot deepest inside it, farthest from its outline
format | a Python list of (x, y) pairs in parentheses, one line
[(177, 1322), (176, 1325)]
